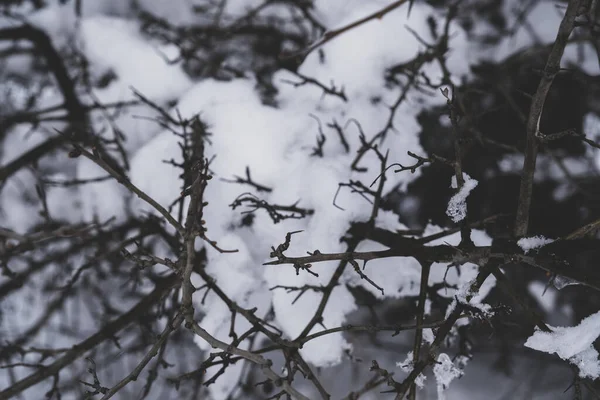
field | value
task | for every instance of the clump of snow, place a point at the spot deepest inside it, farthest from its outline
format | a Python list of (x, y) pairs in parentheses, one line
[(465, 295), (445, 372), (408, 365), (457, 207), (461, 277), (458, 277), (400, 276), (275, 143), (534, 242), (237, 280), (573, 344), (428, 336), (115, 45)]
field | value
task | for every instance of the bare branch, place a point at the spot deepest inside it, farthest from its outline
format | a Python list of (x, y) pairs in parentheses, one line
[(535, 114)]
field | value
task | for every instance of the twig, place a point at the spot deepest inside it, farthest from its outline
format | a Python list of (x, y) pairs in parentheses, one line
[(330, 35), (129, 185), (332, 90), (257, 359), (162, 339), (425, 268)]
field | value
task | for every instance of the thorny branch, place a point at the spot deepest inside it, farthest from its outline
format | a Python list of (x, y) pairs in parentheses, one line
[(275, 211)]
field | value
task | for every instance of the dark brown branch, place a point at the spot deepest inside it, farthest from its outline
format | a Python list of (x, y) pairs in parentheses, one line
[(555, 263), (535, 114), (425, 268), (54, 62), (30, 157), (248, 181), (442, 332), (332, 90), (274, 210)]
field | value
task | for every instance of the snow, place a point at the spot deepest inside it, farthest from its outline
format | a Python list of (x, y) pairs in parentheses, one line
[(460, 279), (401, 276), (238, 280), (457, 206), (534, 242), (275, 143), (445, 372), (116, 45), (464, 295), (591, 129), (428, 336), (20, 218), (573, 344), (408, 365)]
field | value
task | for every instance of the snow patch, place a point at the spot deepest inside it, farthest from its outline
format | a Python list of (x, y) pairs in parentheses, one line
[(534, 242), (573, 344), (457, 207)]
